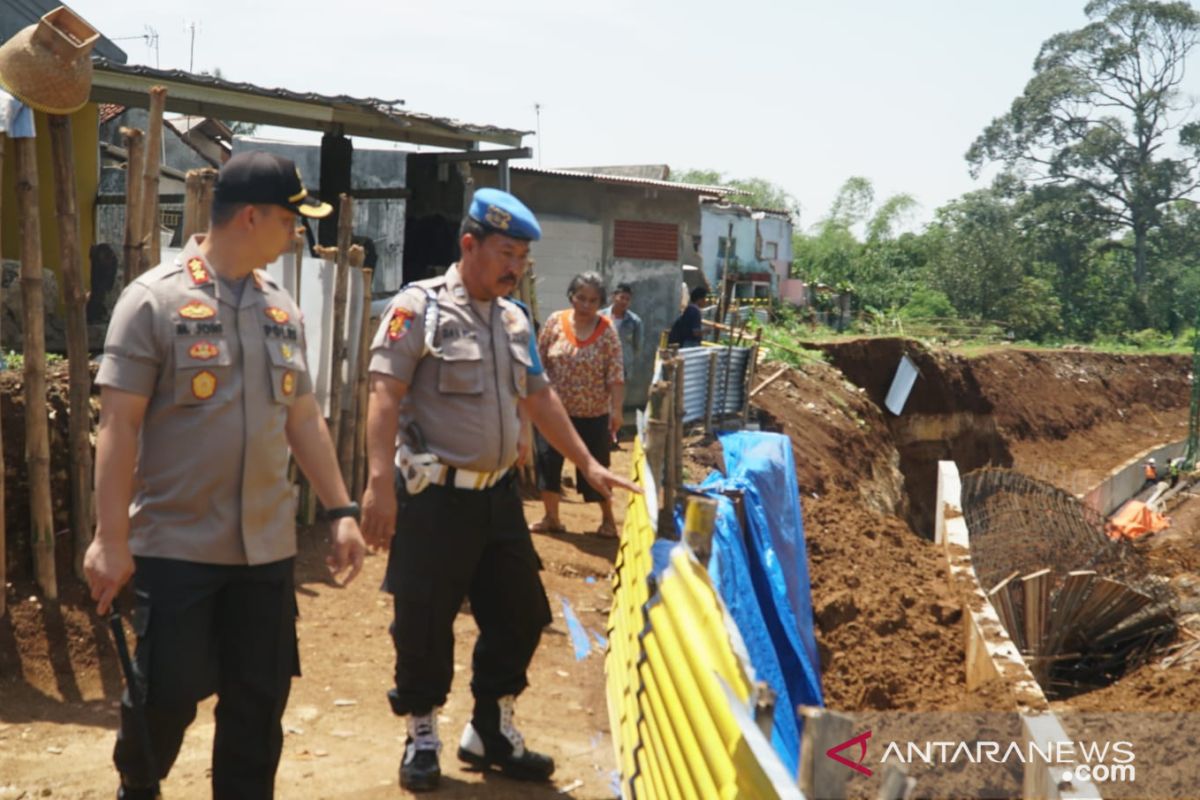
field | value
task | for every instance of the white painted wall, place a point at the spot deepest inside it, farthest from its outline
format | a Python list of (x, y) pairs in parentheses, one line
[(568, 247)]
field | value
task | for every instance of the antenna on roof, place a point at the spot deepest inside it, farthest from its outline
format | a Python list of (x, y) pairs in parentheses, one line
[(537, 110)]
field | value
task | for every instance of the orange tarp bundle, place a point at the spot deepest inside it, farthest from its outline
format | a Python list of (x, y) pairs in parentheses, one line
[(1135, 519)]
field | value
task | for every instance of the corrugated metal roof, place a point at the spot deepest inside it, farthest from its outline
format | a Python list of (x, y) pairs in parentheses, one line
[(596, 177), (360, 116), (728, 205)]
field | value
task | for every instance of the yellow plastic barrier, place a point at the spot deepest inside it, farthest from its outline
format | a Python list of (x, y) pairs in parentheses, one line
[(673, 674)]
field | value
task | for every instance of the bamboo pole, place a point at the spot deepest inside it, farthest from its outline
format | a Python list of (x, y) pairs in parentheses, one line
[(349, 425), (80, 390), (3, 532), (774, 377), (197, 201), (37, 433), (338, 331), (677, 450), (360, 395), (710, 397), (135, 146), (751, 370), (699, 524), (149, 231), (666, 512)]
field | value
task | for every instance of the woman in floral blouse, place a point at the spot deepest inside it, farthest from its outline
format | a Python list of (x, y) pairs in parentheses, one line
[(582, 355)]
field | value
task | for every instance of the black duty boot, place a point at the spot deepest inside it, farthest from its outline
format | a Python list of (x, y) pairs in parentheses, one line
[(419, 771), (491, 740), (131, 793)]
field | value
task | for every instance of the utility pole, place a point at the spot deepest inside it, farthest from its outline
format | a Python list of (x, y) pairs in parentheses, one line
[(537, 110), (192, 51)]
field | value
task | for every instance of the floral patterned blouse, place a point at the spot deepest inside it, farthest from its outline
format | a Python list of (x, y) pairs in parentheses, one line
[(581, 372)]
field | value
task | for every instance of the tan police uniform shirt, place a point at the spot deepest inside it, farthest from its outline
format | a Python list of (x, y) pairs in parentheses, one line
[(211, 480), (463, 394)]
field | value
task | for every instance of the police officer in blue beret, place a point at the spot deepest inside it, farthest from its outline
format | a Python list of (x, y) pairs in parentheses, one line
[(451, 367)]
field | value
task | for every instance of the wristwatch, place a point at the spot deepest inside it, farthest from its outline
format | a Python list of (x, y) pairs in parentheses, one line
[(352, 510)]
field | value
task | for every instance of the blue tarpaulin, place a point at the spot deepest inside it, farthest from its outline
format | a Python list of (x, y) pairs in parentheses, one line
[(762, 575)]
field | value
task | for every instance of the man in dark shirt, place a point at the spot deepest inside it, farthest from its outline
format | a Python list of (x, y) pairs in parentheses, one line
[(686, 332)]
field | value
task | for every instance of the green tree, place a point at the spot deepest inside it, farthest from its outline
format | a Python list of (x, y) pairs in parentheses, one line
[(757, 192), (1099, 114), (882, 268)]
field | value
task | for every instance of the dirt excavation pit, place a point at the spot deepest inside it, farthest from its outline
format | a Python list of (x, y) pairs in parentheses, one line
[(889, 628), (888, 624)]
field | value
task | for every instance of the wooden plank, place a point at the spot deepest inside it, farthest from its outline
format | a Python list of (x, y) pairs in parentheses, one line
[(773, 377), (3, 526), (79, 390), (1036, 592), (37, 430), (360, 394), (338, 331), (821, 776), (149, 232), (132, 250)]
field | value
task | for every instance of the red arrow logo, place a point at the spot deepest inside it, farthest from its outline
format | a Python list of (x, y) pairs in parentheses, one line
[(857, 765)]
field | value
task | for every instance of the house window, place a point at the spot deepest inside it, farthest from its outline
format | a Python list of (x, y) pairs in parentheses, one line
[(771, 251), (651, 241), (723, 242)]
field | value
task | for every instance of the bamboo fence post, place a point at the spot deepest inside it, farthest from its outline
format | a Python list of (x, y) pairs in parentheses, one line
[(360, 395), (3, 532), (751, 371), (666, 511), (80, 416), (135, 146), (699, 524), (349, 425), (677, 450), (191, 202), (338, 331), (657, 431), (208, 182), (197, 201), (37, 433), (710, 398), (151, 241)]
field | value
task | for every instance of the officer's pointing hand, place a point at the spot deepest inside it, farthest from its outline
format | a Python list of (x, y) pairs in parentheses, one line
[(107, 566), (347, 551), (604, 481)]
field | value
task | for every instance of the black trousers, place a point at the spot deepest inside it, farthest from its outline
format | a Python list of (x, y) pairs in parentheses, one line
[(595, 434), (454, 543), (205, 628)]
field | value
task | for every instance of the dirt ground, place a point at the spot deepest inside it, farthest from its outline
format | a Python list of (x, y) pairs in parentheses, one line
[(888, 628), (60, 683)]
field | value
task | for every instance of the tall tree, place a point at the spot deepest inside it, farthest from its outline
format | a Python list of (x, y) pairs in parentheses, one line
[(1100, 111), (757, 192)]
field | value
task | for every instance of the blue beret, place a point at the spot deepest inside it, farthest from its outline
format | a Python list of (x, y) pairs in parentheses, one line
[(501, 212)]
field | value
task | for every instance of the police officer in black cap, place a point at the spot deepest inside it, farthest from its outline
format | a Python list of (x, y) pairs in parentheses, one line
[(450, 367), (204, 388)]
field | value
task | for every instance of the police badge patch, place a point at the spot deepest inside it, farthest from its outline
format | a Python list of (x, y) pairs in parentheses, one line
[(204, 385), (399, 324), (203, 351), (197, 310)]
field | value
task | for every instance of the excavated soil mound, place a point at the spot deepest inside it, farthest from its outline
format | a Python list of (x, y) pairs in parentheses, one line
[(16, 478), (888, 628)]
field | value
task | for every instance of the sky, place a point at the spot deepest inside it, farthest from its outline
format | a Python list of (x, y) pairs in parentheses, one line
[(805, 94)]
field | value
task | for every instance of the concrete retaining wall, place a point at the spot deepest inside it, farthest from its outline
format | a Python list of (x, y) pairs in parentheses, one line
[(1126, 480), (990, 652)]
